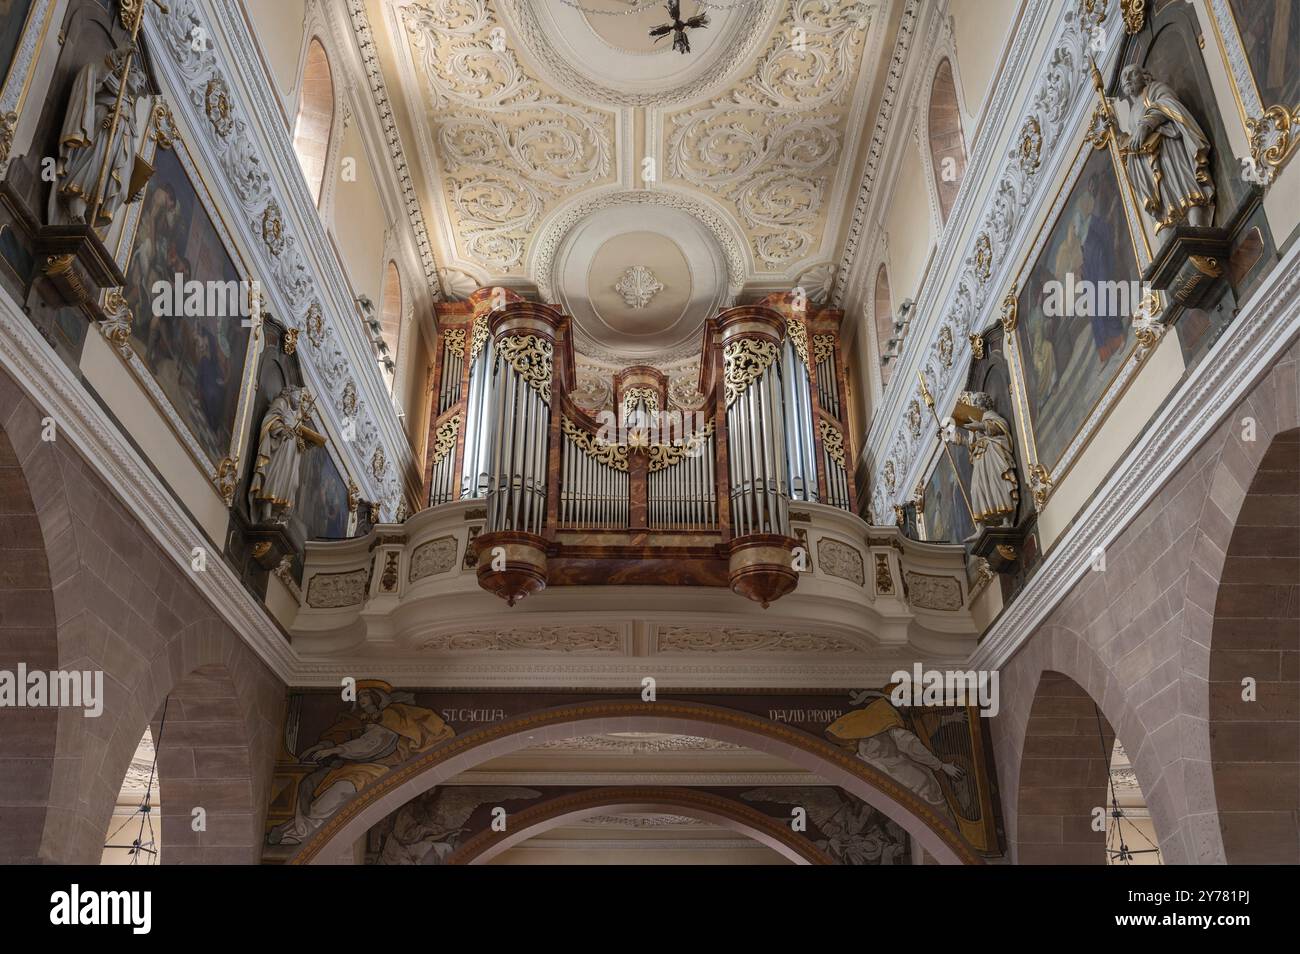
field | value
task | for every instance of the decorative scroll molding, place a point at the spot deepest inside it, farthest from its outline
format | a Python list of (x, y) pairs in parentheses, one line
[(444, 438), (611, 455), (663, 456), (685, 639), (453, 340), (776, 180), (542, 639), (823, 347), (745, 360), (531, 357), (429, 559), (927, 591), (648, 396), (832, 441), (840, 560), (509, 149), (333, 590)]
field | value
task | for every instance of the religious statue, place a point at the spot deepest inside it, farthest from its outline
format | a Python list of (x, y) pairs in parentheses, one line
[(386, 730), (90, 168), (1166, 153), (281, 444), (994, 485)]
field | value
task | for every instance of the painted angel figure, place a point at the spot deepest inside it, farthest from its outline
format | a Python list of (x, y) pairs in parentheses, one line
[(994, 484), (282, 441), (386, 730), (853, 833), (881, 737), (428, 828), (1166, 153), (84, 146)]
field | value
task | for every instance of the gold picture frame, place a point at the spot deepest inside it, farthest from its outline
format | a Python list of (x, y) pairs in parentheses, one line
[(1043, 475), (16, 81), (223, 471), (1272, 129)]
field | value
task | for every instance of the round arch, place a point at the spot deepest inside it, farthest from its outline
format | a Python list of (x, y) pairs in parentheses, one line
[(705, 806), (333, 842)]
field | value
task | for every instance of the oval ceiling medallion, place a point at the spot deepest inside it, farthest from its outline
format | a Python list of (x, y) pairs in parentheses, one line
[(639, 283), (612, 59)]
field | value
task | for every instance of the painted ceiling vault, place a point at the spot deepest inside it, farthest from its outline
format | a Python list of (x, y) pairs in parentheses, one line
[(637, 187)]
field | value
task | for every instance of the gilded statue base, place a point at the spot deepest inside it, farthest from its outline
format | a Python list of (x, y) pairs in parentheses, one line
[(1001, 546), (1189, 264), (76, 264)]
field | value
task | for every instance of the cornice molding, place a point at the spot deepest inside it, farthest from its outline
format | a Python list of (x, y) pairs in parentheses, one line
[(57, 392), (365, 47), (1264, 329)]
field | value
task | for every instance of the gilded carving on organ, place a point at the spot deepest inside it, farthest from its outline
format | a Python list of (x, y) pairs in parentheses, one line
[(89, 166), (282, 441), (995, 487), (1166, 153)]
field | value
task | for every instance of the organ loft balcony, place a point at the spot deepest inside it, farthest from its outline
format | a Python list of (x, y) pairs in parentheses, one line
[(655, 525)]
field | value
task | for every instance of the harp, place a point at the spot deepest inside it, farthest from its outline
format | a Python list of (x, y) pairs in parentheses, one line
[(954, 734)]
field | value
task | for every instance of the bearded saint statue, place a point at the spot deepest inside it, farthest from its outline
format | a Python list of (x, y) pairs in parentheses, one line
[(282, 442), (994, 486), (84, 146), (1166, 153)]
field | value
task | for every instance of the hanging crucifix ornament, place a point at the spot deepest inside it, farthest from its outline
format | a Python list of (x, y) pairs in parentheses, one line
[(679, 27)]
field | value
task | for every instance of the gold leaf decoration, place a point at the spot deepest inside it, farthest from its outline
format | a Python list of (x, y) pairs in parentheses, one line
[(530, 356), (832, 441), (611, 455), (745, 360)]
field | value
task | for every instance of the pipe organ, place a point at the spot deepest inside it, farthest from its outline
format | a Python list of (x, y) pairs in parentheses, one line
[(643, 491)]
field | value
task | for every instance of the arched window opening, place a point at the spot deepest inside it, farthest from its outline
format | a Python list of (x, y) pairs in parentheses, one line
[(947, 148), (1130, 833), (390, 322), (311, 131), (887, 340), (135, 831)]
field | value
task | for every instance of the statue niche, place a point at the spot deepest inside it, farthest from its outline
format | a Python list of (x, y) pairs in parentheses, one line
[(283, 439), (1166, 153), (98, 168), (994, 484)]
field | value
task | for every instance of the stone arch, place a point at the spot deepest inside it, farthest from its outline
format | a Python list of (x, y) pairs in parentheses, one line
[(334, 841), (536, 819), (28, 631), (121, 608), (1255, 743), (1139, 636), (1064, 772)]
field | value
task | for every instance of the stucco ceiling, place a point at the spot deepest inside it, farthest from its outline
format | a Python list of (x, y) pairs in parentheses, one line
[(723, 171)]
